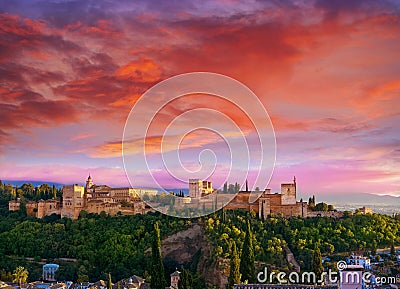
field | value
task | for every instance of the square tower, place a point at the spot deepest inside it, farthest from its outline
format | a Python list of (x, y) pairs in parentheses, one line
[(195, 188), (73, 201), (288, 192), (198, 188)]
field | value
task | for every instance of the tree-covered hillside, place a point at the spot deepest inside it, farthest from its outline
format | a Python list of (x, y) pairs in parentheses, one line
[(96, 245), (100, 244), (351, 233)]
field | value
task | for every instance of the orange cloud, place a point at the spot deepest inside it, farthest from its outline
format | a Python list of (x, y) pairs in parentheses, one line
[(386, 91), (154, 144), (141, 70), (108, 150)]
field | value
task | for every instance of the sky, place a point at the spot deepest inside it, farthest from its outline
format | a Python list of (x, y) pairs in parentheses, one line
[(326, 71)]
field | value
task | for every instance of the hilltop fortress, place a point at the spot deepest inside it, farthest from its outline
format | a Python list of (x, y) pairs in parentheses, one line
[(91, 198)]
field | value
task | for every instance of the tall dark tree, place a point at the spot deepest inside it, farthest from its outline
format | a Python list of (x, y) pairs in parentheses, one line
[(262, 212), (185, 281), (234, 271), (237, 188), (231, 189), (157, 267), (317, 267), (54, 192), (223, 212), (392, 251), (247, 259), (373, 248), (109, 285)]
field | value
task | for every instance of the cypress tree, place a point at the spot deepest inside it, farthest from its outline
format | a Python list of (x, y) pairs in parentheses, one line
[(373, 249), (223, 215), (237, 188), (234, 273), (317, 267), (54, 192), (262, 212), (247, 259), (185, 282), (392, 251), (157, 267), (109, 286)]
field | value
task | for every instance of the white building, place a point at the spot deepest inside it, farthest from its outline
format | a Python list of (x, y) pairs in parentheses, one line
[(359, 260), (49, 272)]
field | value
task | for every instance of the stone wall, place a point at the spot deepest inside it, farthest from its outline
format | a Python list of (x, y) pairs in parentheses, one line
[(268, 204), (47, 208)]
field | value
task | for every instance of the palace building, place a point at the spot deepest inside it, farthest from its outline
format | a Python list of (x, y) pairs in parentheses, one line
[(91, 198), (199, 188), (284, 203)]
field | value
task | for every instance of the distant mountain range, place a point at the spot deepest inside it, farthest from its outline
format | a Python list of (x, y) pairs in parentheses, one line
[(358, 198), (384, 204), (34, 183)]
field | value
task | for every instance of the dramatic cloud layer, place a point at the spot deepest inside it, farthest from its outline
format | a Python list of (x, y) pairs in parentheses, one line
[(326, 71)]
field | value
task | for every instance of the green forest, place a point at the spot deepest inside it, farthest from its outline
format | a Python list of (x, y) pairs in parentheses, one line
[(333, 236), (102, 244)]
